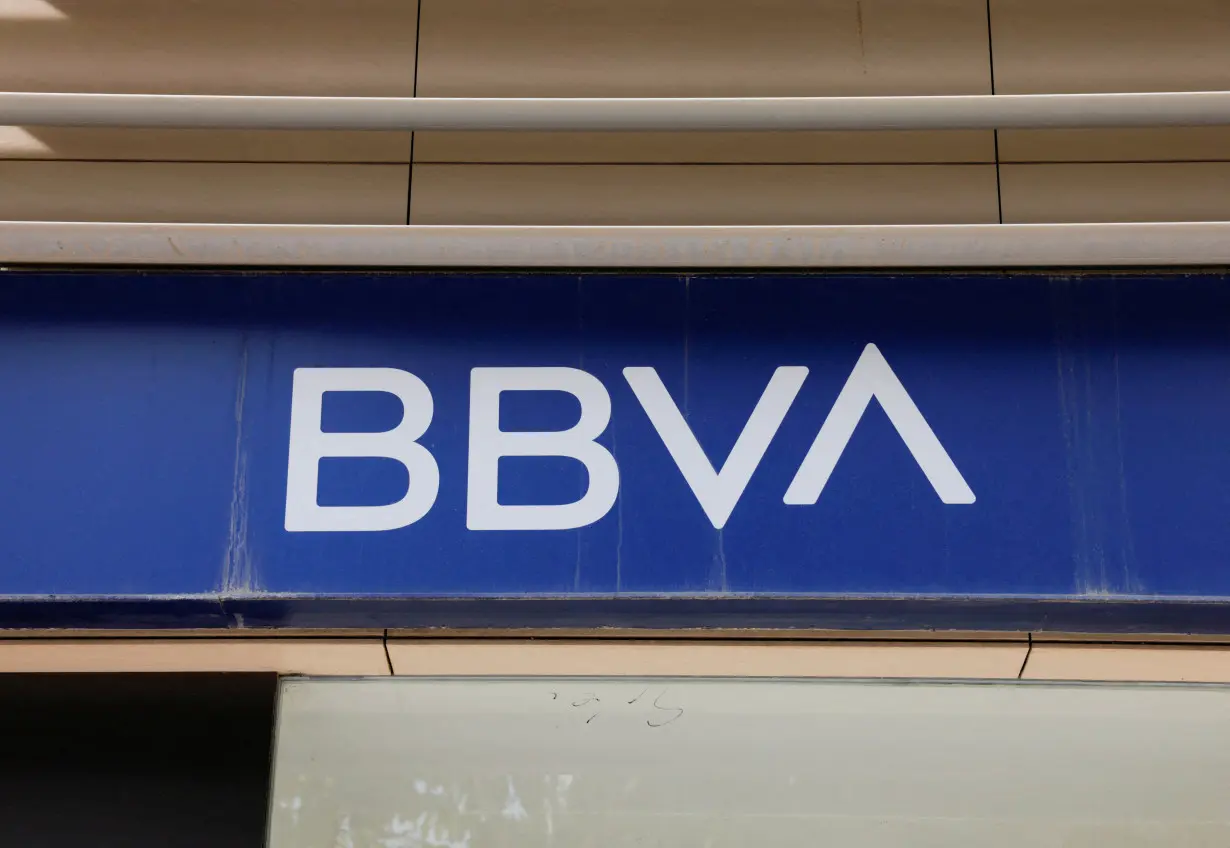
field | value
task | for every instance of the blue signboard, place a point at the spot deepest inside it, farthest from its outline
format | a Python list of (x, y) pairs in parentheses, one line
[(283, 442)]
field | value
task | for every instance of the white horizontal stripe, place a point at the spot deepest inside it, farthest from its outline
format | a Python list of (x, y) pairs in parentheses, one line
[(948, 112), (904, 246)]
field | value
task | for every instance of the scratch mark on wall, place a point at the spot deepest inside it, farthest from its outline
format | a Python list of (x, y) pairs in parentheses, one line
[(345, 838), (582, 475), (576, 569), (687, 339), (619, 522), (1090, 406), (1089, 466), (670, 713), (858, 24), (548, 817), (237, 573), (1069, 422), (717, 578), (513, 810), (1131, 583), (425, 831)]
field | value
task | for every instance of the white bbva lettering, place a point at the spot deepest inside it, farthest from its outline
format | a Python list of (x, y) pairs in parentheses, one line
[(716, 490), (873, 378), (488, 443), (308, 445)]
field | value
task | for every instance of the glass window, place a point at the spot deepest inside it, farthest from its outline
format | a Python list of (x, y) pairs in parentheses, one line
[(469, 763)]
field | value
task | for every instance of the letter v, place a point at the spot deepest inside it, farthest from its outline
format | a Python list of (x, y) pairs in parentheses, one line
[(717, 491), (872, 377)]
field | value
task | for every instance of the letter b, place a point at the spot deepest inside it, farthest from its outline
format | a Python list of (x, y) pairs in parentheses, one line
[(308, 445), (488, 443)]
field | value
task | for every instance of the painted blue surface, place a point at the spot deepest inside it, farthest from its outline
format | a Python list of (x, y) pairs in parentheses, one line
[(145, 417)]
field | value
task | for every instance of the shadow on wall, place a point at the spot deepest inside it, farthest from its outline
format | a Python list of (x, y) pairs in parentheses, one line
[(140, 761), (18, 141)]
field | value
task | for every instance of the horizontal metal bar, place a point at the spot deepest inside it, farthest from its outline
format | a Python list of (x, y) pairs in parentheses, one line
[(905, 246), (773, 114)]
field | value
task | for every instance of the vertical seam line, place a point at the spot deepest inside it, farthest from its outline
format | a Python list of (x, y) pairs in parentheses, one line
[(1029, 649), (388, 658), (414, 92), (999, 191)]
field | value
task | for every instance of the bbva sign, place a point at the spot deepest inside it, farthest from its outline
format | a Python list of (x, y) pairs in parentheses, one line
[(716, 489)]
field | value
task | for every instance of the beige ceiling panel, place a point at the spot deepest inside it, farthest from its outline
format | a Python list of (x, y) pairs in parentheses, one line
[(1187, 191), (204, 193), (709, 659), (202, 145), (1046, 46), (1133, 145), (525, 48), (703, 48), (703, 194), (778, 147), (324, 47)]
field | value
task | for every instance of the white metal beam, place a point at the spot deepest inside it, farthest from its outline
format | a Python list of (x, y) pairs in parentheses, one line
[(904, 246), (770, 114)]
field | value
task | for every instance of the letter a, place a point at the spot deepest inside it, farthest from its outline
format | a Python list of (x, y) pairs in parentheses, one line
[(872, 377)]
